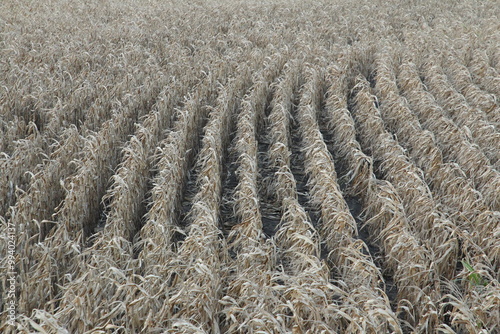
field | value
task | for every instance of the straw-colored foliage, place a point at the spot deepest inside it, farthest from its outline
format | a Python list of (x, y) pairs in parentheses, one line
[(279, 166)]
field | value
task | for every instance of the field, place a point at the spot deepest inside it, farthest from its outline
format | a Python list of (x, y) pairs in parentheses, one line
[(249, 166)]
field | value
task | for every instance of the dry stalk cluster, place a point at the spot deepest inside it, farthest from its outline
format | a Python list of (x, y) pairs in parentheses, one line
[(199, 267), (79, 212), (359, 277), (130, 182), (462, 79), (113, 248), (480, 130), (404, 254), (250, 298), (494, 57), (485, 75), (10, 130), (19, 167), (448, 182), (176, 156), (34, 208), (195, 167), (450, 138), (306, 292), (426, 220)]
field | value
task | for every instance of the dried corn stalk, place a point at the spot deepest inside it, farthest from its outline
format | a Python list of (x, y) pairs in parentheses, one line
[(338, 226), (405, 257), (462, 80), (198, 268), (447, 181), (449, 137), (250, 297), (426, 219), (486, 76), (482, 132)]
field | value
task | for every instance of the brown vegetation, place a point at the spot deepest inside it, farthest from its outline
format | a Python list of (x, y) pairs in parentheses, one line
[(240, 167)]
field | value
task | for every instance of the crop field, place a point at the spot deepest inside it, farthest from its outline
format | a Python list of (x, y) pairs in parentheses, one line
[(249, 166)]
